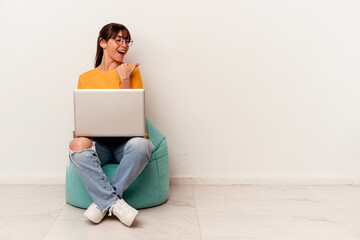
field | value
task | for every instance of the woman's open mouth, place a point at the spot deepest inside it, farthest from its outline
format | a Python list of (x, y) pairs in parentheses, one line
[(121, 53)]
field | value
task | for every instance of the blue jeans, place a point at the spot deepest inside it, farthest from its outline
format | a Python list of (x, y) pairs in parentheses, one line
[(132, 155)]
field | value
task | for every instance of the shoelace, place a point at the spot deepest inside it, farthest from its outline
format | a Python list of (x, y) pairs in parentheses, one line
[(115, 207)]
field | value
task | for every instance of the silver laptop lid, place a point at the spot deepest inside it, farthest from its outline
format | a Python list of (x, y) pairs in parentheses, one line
[(109, 112)]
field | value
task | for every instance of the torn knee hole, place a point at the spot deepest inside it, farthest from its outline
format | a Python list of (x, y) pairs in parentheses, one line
[(82, 150), (81, 145)]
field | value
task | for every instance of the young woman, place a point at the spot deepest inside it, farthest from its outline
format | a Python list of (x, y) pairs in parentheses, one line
[(89, 154)]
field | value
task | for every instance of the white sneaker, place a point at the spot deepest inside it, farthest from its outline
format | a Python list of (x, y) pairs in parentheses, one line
[(123, 211), (94, 213)]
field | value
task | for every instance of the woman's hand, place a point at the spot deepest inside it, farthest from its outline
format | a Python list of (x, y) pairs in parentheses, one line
[(74, 136), (125, 72)]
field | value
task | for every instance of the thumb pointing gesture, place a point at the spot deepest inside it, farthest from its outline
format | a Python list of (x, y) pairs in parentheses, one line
[(133, 68), (125, 71)]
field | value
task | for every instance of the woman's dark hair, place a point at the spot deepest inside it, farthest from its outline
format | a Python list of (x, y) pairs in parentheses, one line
[(108, 31)]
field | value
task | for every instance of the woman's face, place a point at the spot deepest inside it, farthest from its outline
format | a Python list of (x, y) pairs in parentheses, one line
[(115, 49)]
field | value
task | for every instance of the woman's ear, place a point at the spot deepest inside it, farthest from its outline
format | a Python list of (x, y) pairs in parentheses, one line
[(102, 43)]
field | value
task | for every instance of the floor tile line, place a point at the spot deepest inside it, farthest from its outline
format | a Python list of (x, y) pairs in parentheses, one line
[(62, 209), (197, 213)]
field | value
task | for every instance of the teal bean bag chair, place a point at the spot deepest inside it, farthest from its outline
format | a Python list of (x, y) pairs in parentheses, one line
[(150, 188)]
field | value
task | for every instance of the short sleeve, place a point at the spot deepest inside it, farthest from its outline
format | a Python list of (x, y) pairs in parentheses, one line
[(81, 83), (136, 81)]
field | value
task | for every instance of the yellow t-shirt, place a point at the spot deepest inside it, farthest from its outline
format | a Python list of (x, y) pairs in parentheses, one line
[(97, 79)]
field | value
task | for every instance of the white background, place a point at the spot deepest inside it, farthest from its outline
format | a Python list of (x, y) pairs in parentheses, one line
[(242, 90)]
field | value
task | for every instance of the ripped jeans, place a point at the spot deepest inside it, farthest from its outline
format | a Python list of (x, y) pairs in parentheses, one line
[(132, 155)]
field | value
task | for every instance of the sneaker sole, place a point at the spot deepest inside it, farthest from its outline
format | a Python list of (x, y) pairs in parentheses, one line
[(91, 218)]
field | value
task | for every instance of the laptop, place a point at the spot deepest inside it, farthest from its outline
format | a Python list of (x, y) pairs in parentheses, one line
[(109, 112)]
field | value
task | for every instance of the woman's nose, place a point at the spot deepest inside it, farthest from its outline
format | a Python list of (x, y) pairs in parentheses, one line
[(123, 43)]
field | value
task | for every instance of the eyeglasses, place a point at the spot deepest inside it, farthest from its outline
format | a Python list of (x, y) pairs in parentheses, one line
[(119, 41)]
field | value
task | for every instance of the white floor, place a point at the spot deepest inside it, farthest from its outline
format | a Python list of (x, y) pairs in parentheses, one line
[(192, 212)]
